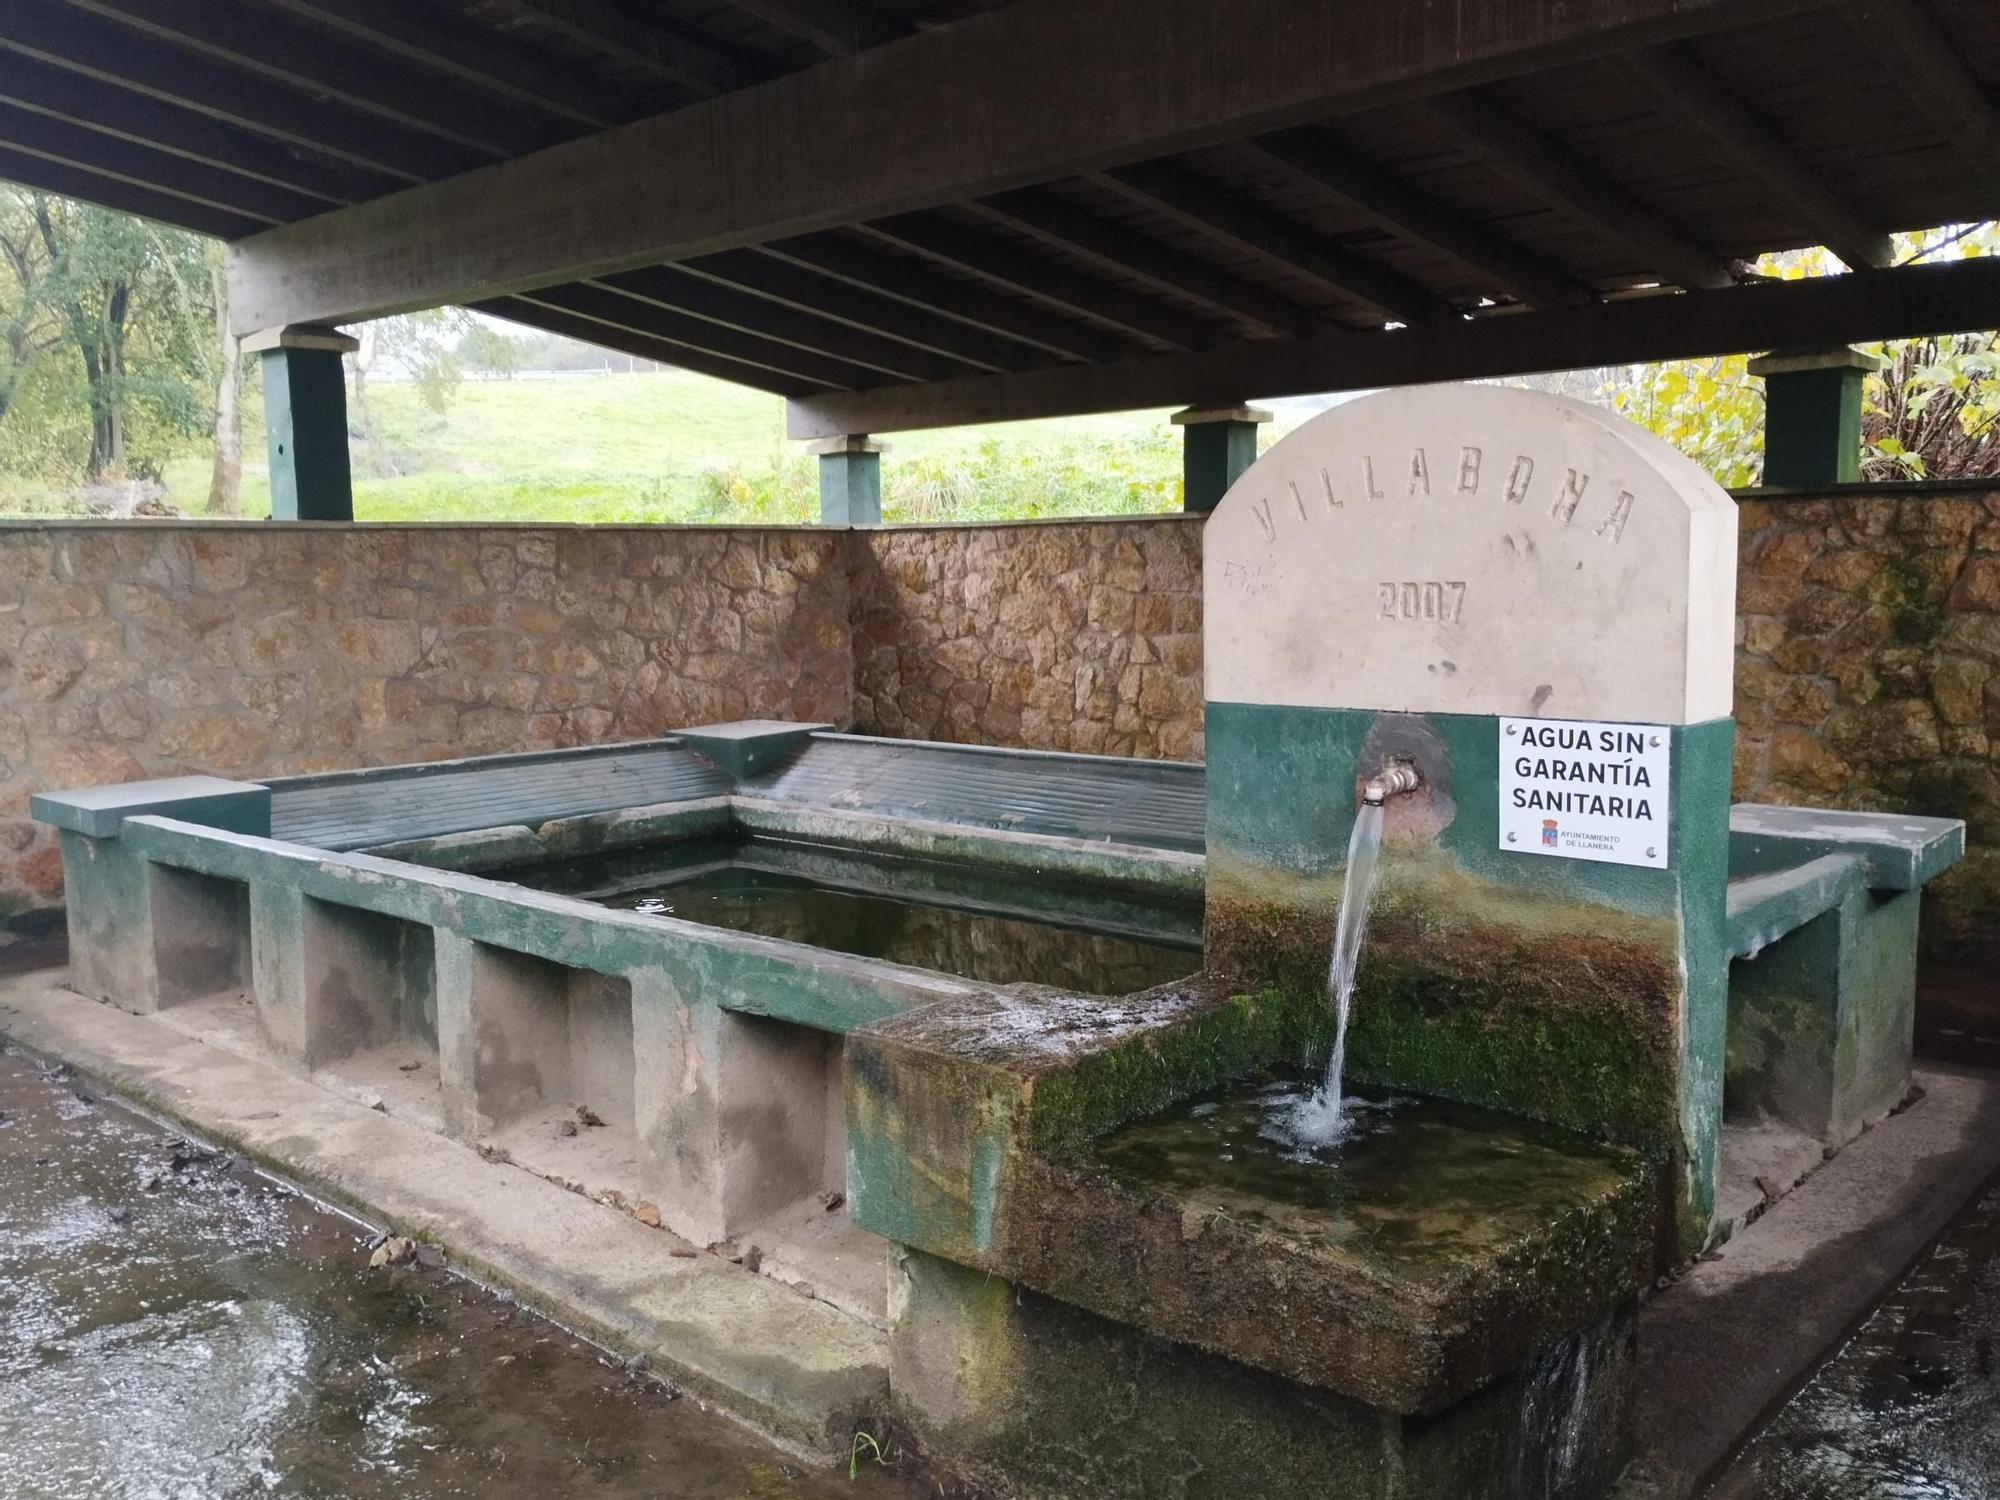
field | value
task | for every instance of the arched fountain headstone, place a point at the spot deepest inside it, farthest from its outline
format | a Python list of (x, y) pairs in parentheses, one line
[(1532, 602)]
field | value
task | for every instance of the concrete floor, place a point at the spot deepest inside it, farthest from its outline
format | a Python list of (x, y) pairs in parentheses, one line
[(796, 1366), (173, 1323)]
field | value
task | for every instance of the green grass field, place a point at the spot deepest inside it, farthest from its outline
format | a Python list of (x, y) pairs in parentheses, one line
[(672, 446)]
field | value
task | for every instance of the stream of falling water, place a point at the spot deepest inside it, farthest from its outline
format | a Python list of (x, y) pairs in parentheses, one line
[(1320, 1119)]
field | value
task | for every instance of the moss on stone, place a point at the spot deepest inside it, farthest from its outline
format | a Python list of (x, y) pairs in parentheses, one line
[(1555, 1008), (1156, 1067)]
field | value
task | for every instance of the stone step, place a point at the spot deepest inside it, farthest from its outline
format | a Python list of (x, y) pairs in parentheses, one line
[(799, 1369)]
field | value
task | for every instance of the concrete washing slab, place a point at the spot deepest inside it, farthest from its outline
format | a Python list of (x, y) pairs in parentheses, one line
[(798, 1369)]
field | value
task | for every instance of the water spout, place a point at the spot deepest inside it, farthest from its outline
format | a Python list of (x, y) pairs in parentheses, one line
[(1320, 1119)]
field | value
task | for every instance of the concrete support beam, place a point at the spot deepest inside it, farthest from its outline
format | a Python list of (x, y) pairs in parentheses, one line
[(305, 417), (1812, 415), (1217, 444), (737, 1119), (850, 481)]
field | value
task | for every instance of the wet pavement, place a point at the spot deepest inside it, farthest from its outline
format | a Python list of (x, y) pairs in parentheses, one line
[(175, 1326), (1909, 1409)]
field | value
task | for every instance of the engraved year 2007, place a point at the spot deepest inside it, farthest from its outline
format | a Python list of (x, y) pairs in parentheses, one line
[(1441, 602)]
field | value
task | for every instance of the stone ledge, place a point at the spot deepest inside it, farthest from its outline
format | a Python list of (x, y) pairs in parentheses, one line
[(100, 811), (1901, 852)]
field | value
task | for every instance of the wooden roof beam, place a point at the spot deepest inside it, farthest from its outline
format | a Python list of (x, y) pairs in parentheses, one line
[(1057, 221), (282, 49), (1912, 301), (1927, 65), (672, 288), (661, 52), (1075, 292), (124, 196), (612, 309), (474, 56), (1212, 209), (1760, 153), (112, 54), (837, 28), (1555, 174), (960, 112), (910, 281), (179, 131), (143, 167), (789, 285), (630, 341), (1401, 210)]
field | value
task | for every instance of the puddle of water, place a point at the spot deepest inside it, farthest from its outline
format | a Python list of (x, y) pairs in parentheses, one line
[(1414, 1186), (957, 919), (173, 1327), (1909, 1409)]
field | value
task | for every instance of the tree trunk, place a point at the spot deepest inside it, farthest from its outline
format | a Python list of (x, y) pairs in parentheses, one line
[(371, 434), (225, 484), (104, 371)]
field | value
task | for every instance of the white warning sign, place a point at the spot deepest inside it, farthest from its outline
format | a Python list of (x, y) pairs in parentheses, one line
[(1583, 790)]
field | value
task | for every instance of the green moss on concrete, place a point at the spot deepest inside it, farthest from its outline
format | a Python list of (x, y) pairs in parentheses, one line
[(944, 1103), (1549, 959), (1046, 1402), (1521, 1000), (1157, 1066)]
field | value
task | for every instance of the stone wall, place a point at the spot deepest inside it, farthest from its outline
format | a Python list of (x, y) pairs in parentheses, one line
[(1082, 635), (1868, 669), (1868, 673), (150, 649)]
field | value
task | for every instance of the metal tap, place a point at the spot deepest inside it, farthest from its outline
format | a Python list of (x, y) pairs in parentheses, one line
[(1393, 780)]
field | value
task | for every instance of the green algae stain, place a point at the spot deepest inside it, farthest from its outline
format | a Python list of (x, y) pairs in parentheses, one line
[(1422, 1186), (983, 1189)]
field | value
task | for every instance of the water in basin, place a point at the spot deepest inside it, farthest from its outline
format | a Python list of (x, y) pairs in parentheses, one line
[(981, 924), (1415, 1185)]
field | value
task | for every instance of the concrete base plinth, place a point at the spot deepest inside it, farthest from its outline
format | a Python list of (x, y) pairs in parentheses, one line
[(1046, 1402), (740, 1116), (1820, 1022)]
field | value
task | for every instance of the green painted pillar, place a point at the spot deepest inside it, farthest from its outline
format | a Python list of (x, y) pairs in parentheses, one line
[(850, 481), (1812, 415), (305, 421), (1217, 444)]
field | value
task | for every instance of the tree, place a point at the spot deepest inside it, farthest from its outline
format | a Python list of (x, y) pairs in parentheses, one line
[(486, 346), (225, 483), (1932, 412), (421, 346), (131, 302), (26, 330)]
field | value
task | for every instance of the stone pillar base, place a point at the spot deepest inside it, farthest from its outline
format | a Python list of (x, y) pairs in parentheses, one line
[(1217, 445), (305, 417), (850, 481), (1812, 415)]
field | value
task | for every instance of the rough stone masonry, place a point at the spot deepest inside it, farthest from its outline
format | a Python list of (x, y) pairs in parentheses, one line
[(1867, 673)]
